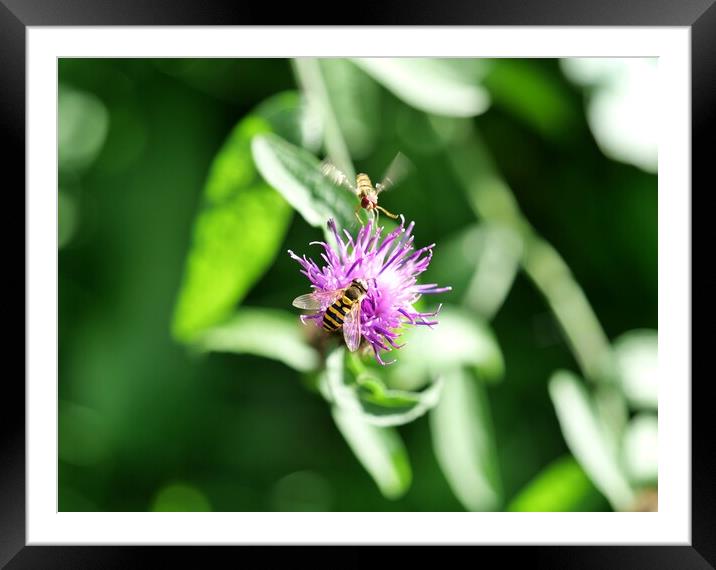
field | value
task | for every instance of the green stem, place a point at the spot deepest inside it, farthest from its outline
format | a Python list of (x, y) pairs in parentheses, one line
[(310, 79), (494, 202)]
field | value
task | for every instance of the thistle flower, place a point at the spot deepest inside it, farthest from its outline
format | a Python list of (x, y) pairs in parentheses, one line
[(388, 267)]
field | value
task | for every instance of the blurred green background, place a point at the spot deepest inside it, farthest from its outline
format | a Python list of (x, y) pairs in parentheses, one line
[(147, 422)]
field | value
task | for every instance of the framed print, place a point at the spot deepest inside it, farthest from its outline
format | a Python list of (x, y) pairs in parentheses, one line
[(414, 279)]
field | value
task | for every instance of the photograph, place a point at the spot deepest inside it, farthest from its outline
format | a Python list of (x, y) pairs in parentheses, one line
[(412, 277), (357, 284)]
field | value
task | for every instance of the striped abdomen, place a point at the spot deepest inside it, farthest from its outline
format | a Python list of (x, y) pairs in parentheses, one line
[(336, 313), (364, 185)]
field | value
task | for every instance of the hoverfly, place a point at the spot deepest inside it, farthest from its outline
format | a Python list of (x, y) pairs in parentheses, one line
[(364, 189), (342, 310)]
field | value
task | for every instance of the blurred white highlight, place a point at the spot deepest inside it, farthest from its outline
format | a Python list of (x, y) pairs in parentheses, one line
[(637, 365), (641, 448), (623, 111)]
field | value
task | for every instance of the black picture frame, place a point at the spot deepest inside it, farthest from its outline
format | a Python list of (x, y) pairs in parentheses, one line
[(698, 15)]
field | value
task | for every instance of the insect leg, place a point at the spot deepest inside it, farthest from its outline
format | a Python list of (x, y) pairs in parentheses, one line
[(386, 212)]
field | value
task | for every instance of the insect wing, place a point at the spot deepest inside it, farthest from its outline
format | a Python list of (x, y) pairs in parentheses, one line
[(317, 300), (351, 327), (331, 171), (395, 173)]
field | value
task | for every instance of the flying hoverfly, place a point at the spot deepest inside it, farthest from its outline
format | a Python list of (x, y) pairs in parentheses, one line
[(364, 189), (342, 310)]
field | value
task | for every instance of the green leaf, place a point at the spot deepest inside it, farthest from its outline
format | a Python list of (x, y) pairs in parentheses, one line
[(310, 77), (290, 117), (269, 333), (379, 449), (296, 174), (435, 86), (562, 486), (361, 392), (463, 441), (355, 98), (459, 339), (635, 354), (588, 440), (239, 229)]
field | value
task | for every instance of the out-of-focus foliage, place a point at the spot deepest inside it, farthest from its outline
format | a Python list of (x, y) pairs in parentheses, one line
[(442, 87), (296, 174), (621, 106), (186, 379), (83, 128), (639, 449), (380, 450), (239, 230), (178, 497), (348, 384), (561, 486), (635, 353), (356, 103), (547, 109), (460, 340), (281, 338), (585, 437), (464, 442), (66, 218)]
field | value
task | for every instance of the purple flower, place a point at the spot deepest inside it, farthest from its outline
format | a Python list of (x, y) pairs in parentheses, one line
[(388, 267)]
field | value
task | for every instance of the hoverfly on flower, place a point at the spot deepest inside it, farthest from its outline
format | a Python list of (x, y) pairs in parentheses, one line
[(364, 189), (368, 286), (342, 309)]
